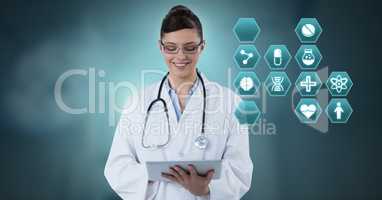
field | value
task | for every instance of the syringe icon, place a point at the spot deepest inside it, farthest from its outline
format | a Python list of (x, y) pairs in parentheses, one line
[(249, 55)]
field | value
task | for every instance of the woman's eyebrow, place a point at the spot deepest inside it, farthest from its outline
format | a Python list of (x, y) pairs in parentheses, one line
[(187, 43), (170, 43)]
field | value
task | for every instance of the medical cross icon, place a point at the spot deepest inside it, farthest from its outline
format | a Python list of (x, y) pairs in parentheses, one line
[(308, 83)]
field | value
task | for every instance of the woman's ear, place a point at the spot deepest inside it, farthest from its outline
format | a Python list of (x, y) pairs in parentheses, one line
[(203, 45), (160, 46)]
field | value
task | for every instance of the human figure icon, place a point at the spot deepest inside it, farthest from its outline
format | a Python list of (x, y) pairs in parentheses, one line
[(338, 110)]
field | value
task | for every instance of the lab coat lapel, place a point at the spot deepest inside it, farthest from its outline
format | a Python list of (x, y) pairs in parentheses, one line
[(190, 125), (195, 103)]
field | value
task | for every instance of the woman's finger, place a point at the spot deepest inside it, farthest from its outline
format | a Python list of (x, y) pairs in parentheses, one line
[(176, 174), (182, 173), (192, 170), (210, 175)]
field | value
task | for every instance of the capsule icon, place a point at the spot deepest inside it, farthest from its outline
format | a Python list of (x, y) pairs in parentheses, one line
[(277, 57)]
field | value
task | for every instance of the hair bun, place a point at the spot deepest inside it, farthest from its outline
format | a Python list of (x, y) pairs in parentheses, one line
[(179, 9), (180, 17)]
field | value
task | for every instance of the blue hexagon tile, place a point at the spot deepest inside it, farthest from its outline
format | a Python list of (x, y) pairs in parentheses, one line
[(246, 29), (246, 56), (247, 83), (277, 83), (308, 30), (308, 57), (277, 57)]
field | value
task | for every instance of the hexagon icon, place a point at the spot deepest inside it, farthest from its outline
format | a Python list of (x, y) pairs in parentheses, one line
[(277, 57), (246, 29), (308, 57), (308, 83), (246, 56), (339, 83), (308, 110), (308, 30), (277, 83), (247, 112), (338, 110), (246, 83)]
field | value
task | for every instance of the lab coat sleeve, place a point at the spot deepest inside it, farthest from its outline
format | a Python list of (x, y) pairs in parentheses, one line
[(237, 166), (126, 176)]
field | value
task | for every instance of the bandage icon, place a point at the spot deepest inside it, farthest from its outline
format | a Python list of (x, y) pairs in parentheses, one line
[(249, 55), (277, 57)]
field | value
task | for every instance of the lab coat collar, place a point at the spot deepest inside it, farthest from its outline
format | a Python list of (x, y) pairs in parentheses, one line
[(194, 107), (168, 87)]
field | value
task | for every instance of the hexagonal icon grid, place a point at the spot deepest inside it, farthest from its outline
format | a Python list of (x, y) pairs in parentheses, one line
[(246, 56), (308, 110), (308, 57), (277, 83), (247, 112), (277, 57), (246, 29), (308, 84), (308, 30), (339, 83), (338, 110), (246, 83)]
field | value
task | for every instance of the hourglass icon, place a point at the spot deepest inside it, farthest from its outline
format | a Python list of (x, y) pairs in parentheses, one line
[(277, 84), (249, 55)]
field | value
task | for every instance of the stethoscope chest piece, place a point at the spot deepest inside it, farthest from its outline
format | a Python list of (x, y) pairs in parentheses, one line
[(201, 142)]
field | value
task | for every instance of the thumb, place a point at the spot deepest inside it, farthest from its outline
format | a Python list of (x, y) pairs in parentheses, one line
[(210, 174)]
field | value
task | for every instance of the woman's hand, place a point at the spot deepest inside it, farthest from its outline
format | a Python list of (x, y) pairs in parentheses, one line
[(197, 185)]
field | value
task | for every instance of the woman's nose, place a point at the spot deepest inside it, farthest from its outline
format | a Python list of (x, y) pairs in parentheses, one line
[(181, 54)]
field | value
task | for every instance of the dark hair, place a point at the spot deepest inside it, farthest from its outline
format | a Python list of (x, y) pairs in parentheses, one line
[(180, 17)]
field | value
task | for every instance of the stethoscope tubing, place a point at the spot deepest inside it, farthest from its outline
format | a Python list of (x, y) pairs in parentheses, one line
[(160, 99)]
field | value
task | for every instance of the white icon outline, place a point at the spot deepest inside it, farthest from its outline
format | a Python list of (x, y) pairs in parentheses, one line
[(308, 83), (308, 57), (308, 30), (339, 83), (342, 111), (311, 113), (277, 84), (249, 56), (308, 110), (246, 83), (277, 57)]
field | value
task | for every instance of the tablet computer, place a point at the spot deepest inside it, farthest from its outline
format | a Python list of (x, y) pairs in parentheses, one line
[(155, 168)]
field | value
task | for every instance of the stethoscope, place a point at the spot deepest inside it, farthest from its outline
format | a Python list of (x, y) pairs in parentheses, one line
[(200, 142)]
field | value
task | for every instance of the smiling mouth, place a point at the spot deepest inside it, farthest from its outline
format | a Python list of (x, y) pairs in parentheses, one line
[(181, 65)]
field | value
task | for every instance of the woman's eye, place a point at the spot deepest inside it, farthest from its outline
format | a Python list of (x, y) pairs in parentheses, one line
[(192, 48), (171, 48)]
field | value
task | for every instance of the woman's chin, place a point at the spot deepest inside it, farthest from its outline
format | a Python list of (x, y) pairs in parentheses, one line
[(182, 72)]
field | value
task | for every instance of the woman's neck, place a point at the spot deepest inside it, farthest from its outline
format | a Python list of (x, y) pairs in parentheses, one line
[(182, 85)]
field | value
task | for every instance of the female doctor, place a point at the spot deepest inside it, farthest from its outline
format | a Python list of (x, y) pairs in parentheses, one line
[(182, 117)]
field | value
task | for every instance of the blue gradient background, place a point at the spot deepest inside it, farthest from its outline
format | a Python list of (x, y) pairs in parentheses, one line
[(49, 154)]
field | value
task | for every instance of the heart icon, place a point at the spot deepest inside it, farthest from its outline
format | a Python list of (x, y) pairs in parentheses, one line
[(308, 110)]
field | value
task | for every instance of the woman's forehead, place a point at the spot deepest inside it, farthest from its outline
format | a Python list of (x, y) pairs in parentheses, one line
[(182, 36)]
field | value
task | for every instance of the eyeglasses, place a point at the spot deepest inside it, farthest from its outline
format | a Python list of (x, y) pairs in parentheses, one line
[(187, 49)]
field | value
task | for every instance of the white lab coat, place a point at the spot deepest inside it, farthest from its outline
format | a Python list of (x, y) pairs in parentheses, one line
[(125, 168)]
